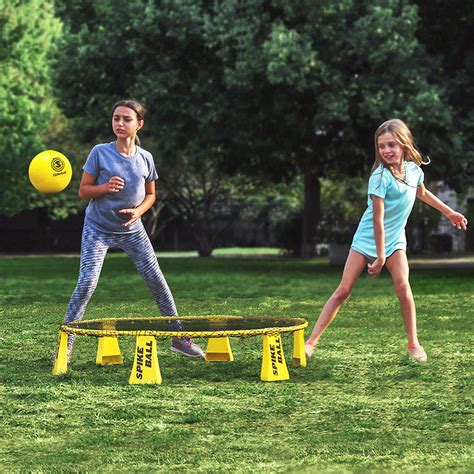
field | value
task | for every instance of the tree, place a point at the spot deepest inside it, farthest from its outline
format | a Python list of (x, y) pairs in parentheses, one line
[(312, 80), (28, 31), (268, 88), (205, 199), (445, 31), (165, 63)]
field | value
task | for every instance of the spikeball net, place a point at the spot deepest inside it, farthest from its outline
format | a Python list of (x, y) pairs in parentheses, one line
[(186, 326), (217, 329)]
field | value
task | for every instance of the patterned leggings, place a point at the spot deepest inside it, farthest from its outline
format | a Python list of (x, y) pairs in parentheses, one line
[(137, 246)]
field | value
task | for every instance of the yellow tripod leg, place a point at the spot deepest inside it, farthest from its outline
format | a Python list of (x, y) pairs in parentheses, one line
[(219, 350), (60, 362), (108, 351), (273, 360), (146, 369), (299, 355)]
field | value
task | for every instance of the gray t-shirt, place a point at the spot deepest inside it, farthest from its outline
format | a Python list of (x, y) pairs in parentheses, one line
[(103, 162)]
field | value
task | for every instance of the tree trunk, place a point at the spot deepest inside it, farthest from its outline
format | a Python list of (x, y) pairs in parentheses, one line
[(204, 235), (204, 241), (311, 213), (204, 250)]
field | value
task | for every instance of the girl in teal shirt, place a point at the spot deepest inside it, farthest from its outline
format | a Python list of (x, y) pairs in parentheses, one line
[(395, 182)]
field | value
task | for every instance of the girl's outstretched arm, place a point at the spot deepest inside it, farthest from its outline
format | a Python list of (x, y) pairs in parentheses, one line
[(456, 218)]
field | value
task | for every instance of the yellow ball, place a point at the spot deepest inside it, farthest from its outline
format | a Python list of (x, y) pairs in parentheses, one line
[(50, 172)]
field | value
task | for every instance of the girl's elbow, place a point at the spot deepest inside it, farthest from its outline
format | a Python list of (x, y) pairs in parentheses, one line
[(378, 221), (82, 194), (421, 192)]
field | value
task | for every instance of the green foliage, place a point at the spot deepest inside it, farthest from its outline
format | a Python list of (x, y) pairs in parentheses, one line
[(310, 82), (197, 194), (288, 233), (171, 71), (342, 203), (446, 29), (278, 208), (28, 34), (290, 58), (62, 137), (268, 89), (359, 405)]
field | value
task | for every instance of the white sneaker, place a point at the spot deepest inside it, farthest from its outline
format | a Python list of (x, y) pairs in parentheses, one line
[(418, 354)]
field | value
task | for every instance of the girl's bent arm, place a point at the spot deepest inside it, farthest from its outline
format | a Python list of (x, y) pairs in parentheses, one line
[(456, 218), (379, 235), (136, 212), (150, 198), (89, 190)]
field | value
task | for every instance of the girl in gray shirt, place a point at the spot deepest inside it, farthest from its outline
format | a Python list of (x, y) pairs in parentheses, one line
[(119, 180)]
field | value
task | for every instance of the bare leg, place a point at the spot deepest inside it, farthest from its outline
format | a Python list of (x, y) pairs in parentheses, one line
[(355, 263), (397, 265)]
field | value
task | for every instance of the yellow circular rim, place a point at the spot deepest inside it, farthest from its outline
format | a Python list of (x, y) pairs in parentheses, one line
[(300, 323)]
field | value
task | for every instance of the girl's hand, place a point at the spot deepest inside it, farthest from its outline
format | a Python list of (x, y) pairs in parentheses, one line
[(457, 220), (115, 184), (134, 215), (374, 268)]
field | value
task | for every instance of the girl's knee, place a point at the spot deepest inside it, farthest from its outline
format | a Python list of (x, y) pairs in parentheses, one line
[(342, 294), (402, 289)]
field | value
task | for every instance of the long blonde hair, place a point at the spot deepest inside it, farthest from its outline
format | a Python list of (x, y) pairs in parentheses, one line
[(404, 137)]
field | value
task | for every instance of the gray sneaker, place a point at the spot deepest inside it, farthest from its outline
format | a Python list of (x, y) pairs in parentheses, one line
[(186, 346)]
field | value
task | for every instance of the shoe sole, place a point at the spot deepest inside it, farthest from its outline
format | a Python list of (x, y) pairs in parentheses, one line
[(178, 351)]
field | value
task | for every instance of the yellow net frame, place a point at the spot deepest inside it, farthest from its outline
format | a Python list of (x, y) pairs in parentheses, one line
[(109, 327)]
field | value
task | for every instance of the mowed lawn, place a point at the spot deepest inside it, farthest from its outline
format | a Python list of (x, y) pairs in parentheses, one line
[(359, 404)]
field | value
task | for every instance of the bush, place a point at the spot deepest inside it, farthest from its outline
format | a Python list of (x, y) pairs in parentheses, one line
[(342, 205)]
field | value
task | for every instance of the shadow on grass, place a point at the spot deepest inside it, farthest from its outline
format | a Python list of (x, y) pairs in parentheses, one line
[(179, 371), (175, 370)]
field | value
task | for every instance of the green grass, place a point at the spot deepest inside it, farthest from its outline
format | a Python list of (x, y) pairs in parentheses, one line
[(246, 251), (359, 405), (227, 252)]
